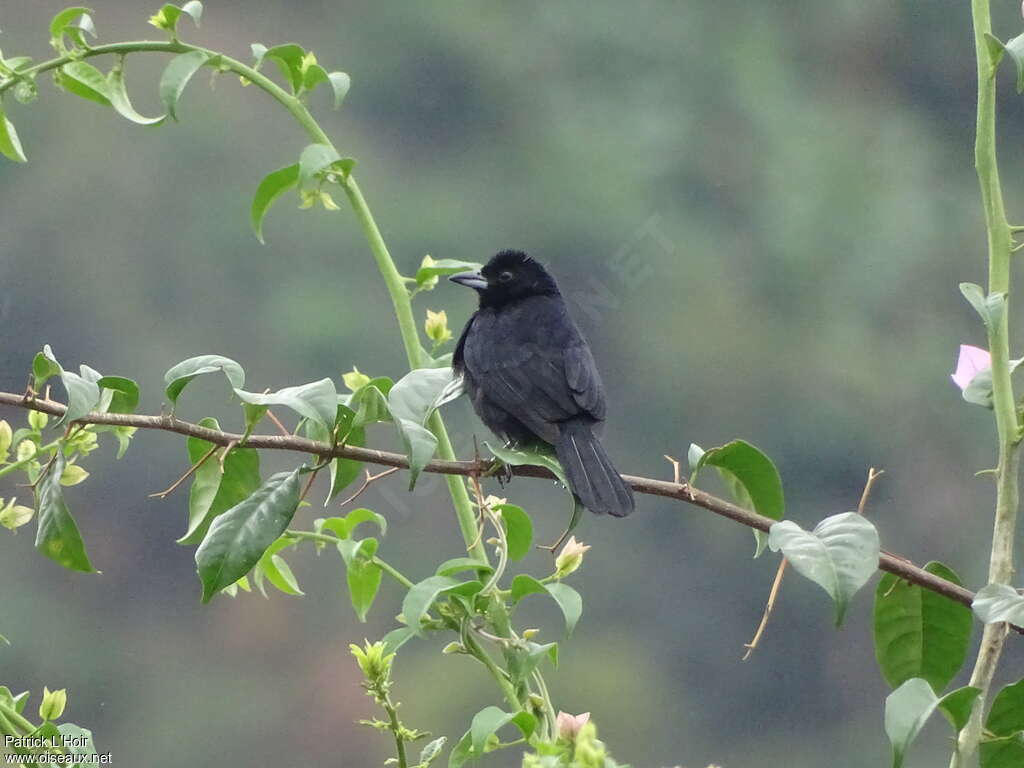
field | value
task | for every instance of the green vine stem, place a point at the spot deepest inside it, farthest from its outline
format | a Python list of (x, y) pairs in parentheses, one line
[(1000, 244), (393, 280)]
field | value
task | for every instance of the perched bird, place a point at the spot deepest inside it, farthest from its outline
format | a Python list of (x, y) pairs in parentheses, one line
[(531, 377)]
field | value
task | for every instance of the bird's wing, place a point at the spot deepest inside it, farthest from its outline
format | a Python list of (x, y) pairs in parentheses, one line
[(584, 381), (538, 384)]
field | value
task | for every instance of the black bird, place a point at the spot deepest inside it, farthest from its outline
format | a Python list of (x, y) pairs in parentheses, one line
[(531, 377)]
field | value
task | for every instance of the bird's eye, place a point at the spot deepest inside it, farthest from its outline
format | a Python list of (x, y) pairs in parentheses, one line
[(504, 277)]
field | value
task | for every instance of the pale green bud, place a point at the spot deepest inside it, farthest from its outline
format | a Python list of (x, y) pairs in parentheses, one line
[(53, 703)]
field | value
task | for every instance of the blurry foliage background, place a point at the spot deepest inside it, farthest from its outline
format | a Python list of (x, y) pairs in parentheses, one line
[(761, 212)]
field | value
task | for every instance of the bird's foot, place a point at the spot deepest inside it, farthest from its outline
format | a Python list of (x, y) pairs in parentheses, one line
[(500, 471)]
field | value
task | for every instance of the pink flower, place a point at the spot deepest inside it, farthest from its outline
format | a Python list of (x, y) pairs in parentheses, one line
[(569, 725), (971, 362)]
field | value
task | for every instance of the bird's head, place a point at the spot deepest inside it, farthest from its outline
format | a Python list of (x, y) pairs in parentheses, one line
[(508, 277)]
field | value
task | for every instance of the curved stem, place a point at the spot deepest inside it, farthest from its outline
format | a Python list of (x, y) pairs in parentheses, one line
[(499, 676), (393, 280)]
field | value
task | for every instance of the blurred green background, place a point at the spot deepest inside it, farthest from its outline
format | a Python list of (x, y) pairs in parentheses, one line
[(760, 212)]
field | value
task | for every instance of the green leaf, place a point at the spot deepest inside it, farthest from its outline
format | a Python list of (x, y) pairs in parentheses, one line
[(990, 307), (63, 20), (1015, 48), (315, 159), (10, 145), (44, 367), (569, 601), (461, 564), (523, 584), (124, 393), (1006, 722), (411, 401), (181, 374), (272, 187), (1006, 716), (83, 390), (317, 401), (536, 457), (239, 537), (999, 602), (919, 633), (344, 471), (193, 8), (567, 598), (490, 720), (442, 268), (343, 527), (525, 656), (57, 536), (396, 638), (462, 752), (176, 76), (313, 76), (288, 58), (214, 492), (118, 94), (168, 16), (1003, 752), (908, 708), (370, 401), (83, 79), (423, 595), (83, 396), (518, 530), (277, 571), (956, 706), (78, 740), (752, 478), (362, 573), (340, 83), (839, 555)]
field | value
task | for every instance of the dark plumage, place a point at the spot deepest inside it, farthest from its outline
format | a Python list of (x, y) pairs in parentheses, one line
[(531, 377)]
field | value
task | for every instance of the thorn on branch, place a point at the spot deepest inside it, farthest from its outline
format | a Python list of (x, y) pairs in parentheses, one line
[(370, 479), (769, 606), (191, 470)]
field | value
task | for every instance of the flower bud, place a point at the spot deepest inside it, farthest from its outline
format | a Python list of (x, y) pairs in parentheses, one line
[(37, 420), (355, 379), (569, 725), (14, 515), (6, 435), (436, 327), (374, 663), (570, 558), (53, 703), (26, 450)]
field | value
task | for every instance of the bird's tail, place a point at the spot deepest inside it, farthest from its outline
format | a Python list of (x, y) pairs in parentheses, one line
[(590, 472)]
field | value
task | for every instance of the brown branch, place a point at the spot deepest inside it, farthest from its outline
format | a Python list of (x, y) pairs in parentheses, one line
[(671, 490)]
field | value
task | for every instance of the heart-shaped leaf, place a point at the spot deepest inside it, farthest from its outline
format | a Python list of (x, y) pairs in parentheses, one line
[(839, 555)]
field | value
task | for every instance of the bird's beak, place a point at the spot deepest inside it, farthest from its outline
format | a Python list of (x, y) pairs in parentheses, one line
[(473, 280)]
